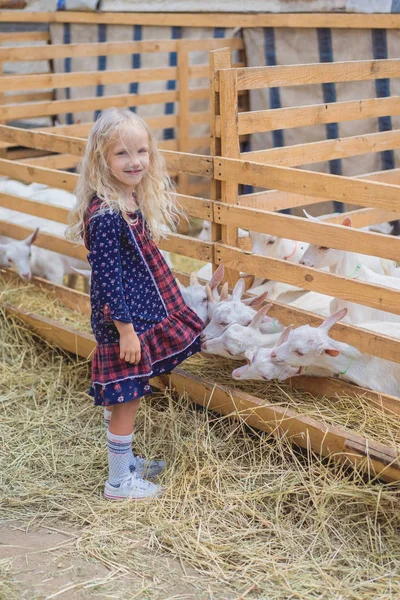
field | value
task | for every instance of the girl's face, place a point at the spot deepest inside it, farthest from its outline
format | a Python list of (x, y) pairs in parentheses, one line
[(128, 159)]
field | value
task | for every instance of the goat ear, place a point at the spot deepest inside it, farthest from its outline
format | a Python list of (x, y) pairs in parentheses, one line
[(330, 321), (217, 277), (32, 238), (238, 290), (332, 351), (250, 356), (258, 318), (224, 293), (209, 294), (193, 279), (256, 300), (310, 217), (346, 222), (284, 336)]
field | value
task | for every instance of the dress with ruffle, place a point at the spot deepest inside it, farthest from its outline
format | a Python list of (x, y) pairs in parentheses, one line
[(132, 283)]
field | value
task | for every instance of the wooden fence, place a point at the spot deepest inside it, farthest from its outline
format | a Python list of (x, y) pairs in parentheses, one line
[(33, 94), (339, 443)]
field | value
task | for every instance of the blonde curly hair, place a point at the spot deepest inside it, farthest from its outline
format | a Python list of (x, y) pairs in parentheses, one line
[(155, 192)]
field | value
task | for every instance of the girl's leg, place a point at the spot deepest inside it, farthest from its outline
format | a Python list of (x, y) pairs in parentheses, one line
[(123, 417), (119, 441)]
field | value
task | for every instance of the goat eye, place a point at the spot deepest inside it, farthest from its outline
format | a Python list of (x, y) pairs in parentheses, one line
[(270, 242), (224, 324), (9, 260), (299, 353), (204, 300), (323, 248)]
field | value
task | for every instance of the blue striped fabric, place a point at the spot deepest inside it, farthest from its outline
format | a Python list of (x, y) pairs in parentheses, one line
[(382, 87), (278, 139), (136, 62), (329, 94), (171, 84), (67, 68), (101, 62)]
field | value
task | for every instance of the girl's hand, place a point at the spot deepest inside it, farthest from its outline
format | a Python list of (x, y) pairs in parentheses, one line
[(129, 343)]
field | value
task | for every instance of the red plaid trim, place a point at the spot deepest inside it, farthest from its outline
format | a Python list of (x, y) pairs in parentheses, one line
[(169, 337)]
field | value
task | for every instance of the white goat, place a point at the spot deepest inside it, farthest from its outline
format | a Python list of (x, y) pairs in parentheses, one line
[(237, 339), (311, 346), (195, 294), (323, 256), (226, 313), (259, 365), (17, 255)]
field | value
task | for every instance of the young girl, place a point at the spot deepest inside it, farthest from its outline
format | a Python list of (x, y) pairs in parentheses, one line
[(141, 323)]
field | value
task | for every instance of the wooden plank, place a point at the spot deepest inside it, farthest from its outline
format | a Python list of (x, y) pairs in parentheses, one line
[(313, 152), (59, 179), (218, 59), (187, 246), (196, 164), (364, 216), (222, 19), (201, 208), (360, 292), (45, 240), (73, 299), (250, 78), (319, 185), (58, 107), (24, 36), (82, 78), (340, 444), (55, 161), (43, 140), (304, 116), (35, 208), (67, 338), (54, 51), (278, 200), (228, 98), (302, 229), (33, 97)]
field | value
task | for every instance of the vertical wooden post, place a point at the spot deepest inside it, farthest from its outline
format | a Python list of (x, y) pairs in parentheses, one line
[(219, 59), (183, 119), (3, 151), (228, 98)]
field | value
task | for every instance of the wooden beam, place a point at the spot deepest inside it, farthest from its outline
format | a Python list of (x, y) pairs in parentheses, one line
[(302, 229), (217, 19), (314, 152), (340, 444), (284, 118), (250, 78), (360, 292), (319, 185)]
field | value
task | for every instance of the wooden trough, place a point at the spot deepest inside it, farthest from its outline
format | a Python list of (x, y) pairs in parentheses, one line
[(227, 211)]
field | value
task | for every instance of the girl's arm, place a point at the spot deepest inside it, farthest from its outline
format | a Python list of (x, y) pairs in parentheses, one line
[(106, 282)]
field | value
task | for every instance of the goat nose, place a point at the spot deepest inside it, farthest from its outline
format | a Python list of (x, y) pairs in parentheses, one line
[(26, 276), (273, 354)]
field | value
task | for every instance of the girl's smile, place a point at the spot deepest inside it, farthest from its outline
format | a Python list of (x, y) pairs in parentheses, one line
[(129, 160)]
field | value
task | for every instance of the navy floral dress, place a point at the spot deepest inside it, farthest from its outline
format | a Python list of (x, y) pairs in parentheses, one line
[(132, 283)]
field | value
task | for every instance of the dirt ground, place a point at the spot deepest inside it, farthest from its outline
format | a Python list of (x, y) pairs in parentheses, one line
[(43, 564)]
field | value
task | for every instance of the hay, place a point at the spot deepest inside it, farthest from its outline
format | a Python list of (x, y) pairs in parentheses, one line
[(254, 517), (353, 413), (29, 297), (349, 412)]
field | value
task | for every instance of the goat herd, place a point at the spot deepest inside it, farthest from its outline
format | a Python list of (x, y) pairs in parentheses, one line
[(234, 328)]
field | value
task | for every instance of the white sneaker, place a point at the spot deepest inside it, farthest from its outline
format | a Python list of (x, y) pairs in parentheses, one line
[(134, 488), (147, 469)]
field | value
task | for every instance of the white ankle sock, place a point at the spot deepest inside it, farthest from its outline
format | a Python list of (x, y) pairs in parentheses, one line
[(107, 419), (119, 448)]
